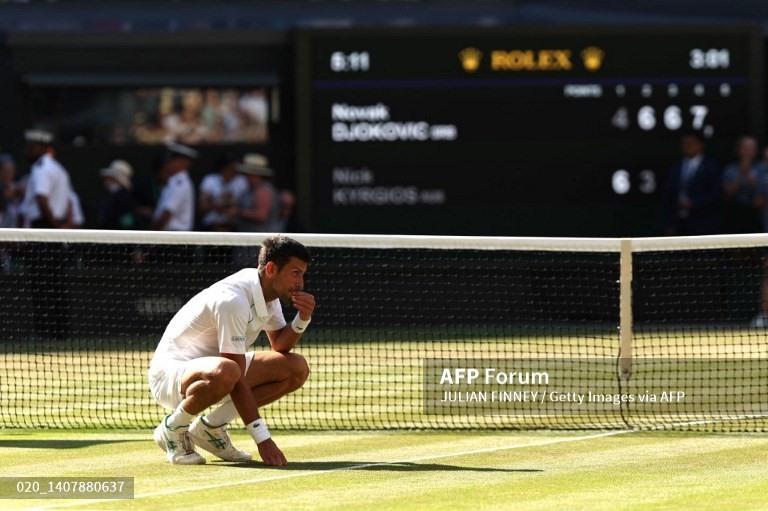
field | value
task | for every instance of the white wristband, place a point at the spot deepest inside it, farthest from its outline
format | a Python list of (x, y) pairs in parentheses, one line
[(299, 325), (258, 430)]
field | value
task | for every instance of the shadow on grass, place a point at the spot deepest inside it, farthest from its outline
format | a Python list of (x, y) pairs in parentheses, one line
[(375, 466), (59, 444)]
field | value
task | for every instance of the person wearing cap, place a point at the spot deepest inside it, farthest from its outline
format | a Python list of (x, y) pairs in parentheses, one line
[(259, 207), (47, 201), (175, 209), (219, 195), (117, 208)]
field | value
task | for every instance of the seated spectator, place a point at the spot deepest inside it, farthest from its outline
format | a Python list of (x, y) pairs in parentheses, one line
[(220, 193), (116, 210)]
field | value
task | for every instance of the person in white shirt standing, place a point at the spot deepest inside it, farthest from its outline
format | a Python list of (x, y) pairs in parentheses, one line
[(175, 209), (47, 198), (202, 360)]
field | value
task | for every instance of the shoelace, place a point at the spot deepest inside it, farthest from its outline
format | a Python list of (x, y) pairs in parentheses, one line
[(221, 433), (186, 443)]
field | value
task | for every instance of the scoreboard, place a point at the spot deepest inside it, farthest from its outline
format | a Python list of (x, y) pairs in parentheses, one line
[(515, 132)]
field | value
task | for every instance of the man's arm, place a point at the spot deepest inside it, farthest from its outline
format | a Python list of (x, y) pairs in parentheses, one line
[(231, 318), (205, 202), (283, 340), (161, 221), (68, 222), (286, 338), (45, 210), (245, 403), (242, 396)]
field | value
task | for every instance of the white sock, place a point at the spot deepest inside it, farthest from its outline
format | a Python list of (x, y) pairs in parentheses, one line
[(179, 418), (224, 414)]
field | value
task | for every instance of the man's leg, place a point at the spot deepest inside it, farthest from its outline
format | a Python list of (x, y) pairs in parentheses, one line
[(271, 375), (204, 382)]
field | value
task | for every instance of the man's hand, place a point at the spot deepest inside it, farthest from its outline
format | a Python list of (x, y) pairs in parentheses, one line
[(271, 454), (304, 303)]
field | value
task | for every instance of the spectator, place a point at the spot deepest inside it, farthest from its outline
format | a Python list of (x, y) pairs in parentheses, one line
[(47, 198), (259, 207), (175, 210), (220, 193), (117, 209), (287, 218), (10, 192), (743, 183), (146, 190), (693, 196)]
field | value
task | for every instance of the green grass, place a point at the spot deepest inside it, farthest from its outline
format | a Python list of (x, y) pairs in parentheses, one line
[(374, 385), (379, 385), (414, 470)]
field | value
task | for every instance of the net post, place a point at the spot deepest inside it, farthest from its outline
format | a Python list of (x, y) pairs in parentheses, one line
[(625, 309)]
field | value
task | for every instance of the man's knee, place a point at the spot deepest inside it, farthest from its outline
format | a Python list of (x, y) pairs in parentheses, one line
[(225, 375), (299, 370)]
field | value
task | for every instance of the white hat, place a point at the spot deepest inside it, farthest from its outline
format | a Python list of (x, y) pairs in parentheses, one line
[(255, 164), (38, 136), (121, 171), (174, 149)]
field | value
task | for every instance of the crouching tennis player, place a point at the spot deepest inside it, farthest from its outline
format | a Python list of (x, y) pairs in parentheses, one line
[(202, 360)]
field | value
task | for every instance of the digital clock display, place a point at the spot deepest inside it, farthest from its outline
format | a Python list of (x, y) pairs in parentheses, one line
[(566, 132)]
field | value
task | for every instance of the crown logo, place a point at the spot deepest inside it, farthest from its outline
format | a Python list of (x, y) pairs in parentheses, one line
[(470, 59), (593, 58)]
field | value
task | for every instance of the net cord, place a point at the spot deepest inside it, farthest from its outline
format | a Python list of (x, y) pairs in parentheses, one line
[(609, 245)]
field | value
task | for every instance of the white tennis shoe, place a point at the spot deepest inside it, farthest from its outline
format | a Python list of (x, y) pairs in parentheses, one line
[(177, 445), (216, 441)]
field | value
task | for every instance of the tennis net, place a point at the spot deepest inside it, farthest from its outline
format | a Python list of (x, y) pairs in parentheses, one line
[(409, 332)]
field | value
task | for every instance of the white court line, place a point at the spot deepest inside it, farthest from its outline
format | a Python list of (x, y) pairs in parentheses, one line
[(332, 470), (411, 460)]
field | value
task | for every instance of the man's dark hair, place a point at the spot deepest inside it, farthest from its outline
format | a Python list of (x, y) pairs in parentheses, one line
[(279, 250), (693, 134)]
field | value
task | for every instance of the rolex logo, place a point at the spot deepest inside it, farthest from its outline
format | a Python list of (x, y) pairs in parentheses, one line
[(593, 58), (470, 59)]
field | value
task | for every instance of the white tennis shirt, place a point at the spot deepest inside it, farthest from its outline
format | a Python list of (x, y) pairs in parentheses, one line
[(224, 318), (48, 178), (178, 198)]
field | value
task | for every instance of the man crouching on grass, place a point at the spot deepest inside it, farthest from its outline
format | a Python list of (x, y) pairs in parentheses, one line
[(202, 360)]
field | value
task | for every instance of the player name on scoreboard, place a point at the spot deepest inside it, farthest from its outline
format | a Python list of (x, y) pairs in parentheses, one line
[(373, 123)]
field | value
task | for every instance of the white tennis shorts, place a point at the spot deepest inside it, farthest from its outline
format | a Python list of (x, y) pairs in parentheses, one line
[(165, 381)]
